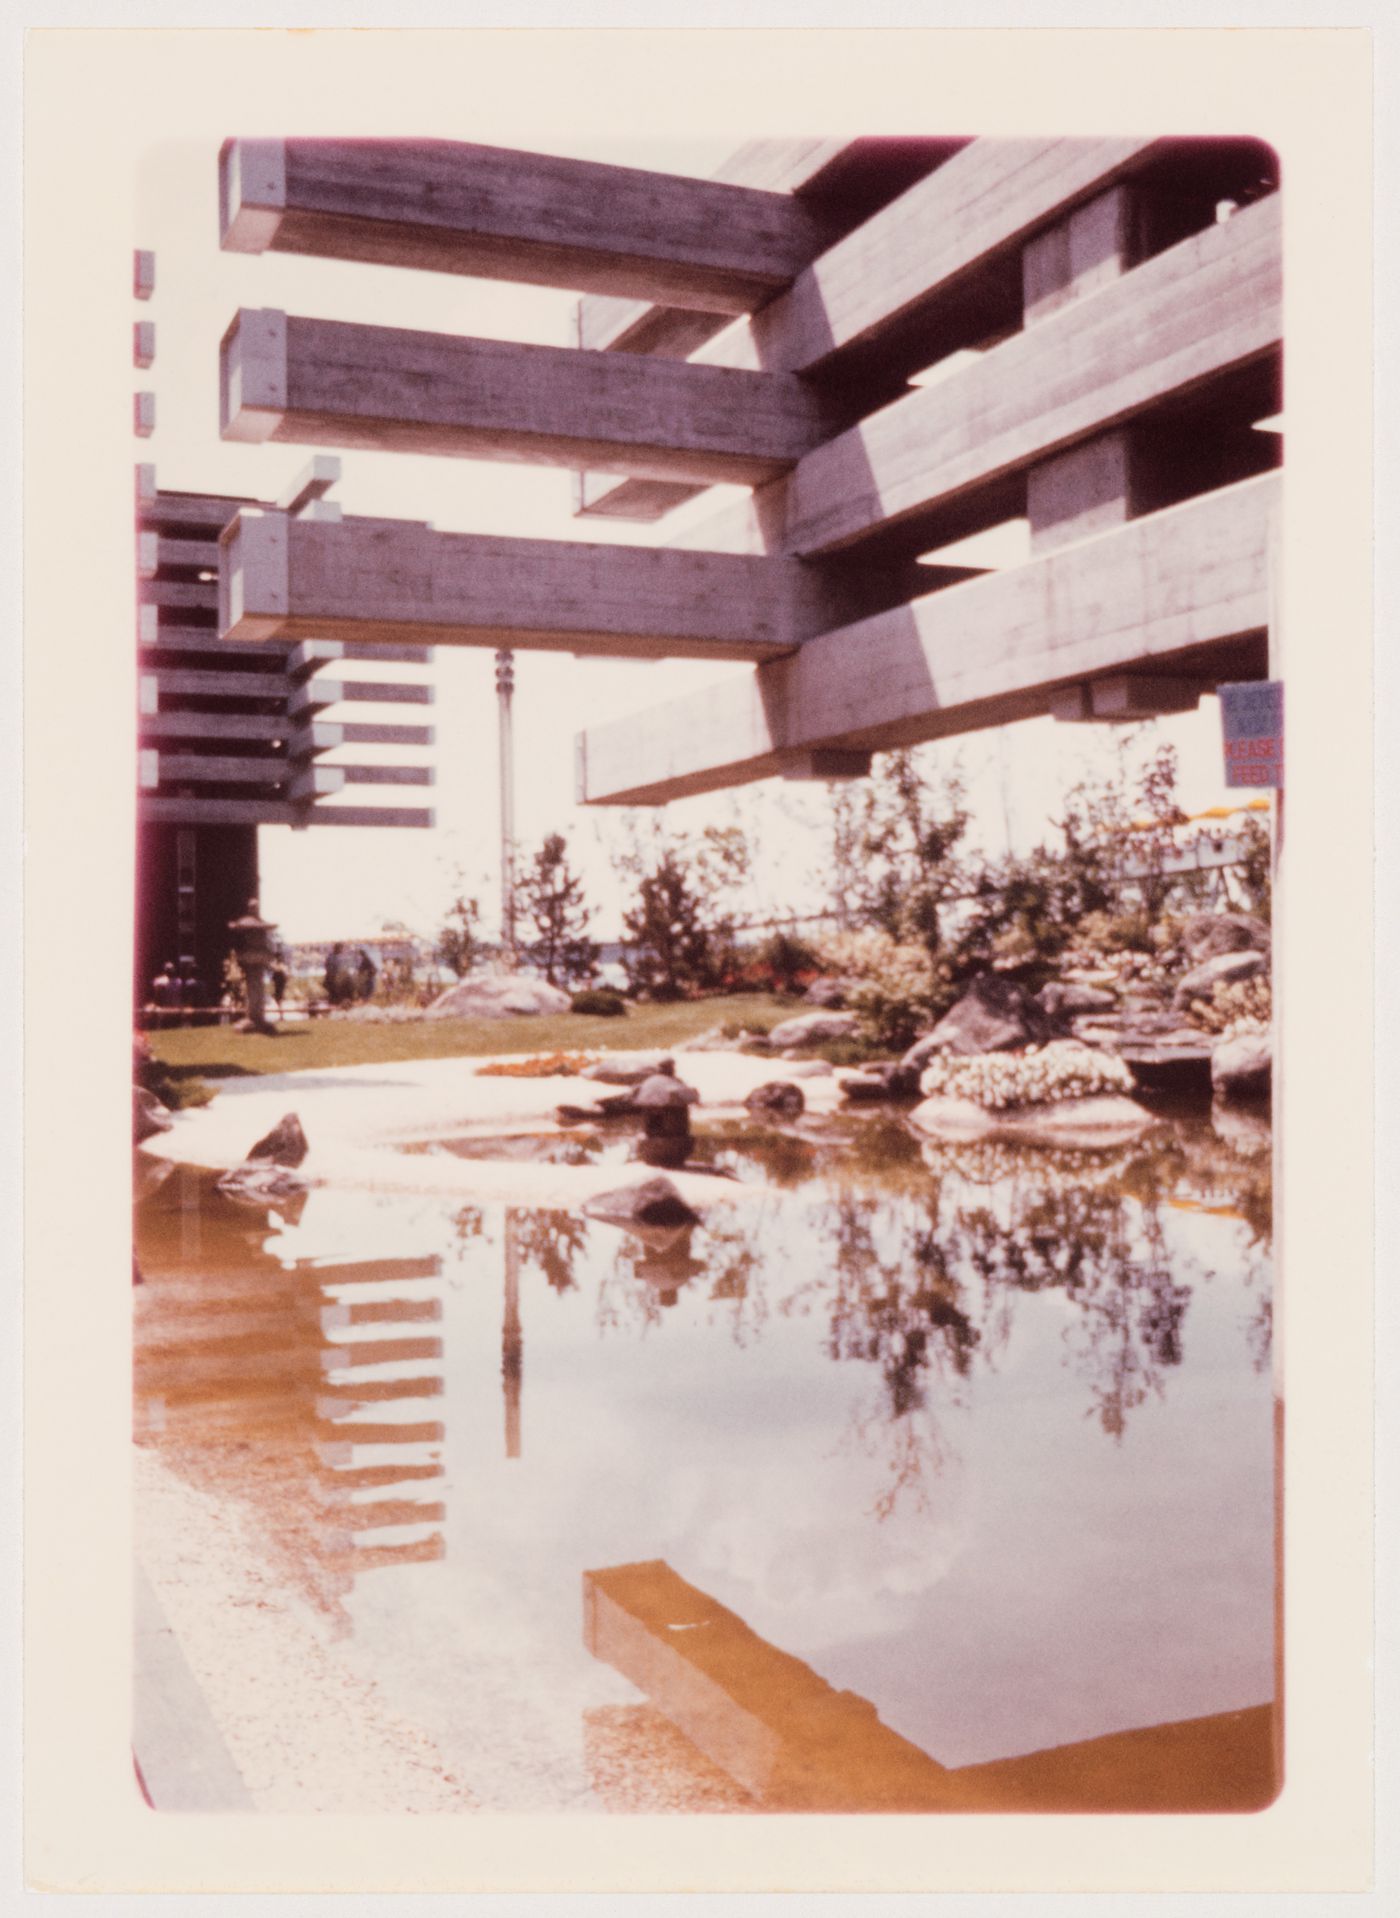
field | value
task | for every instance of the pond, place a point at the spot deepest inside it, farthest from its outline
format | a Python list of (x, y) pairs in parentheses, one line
[(912, 1478)]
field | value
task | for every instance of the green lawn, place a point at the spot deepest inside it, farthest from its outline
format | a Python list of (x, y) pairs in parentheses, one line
[(218, 1052)]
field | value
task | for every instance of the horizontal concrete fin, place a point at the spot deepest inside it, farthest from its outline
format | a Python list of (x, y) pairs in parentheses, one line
[(212, 685), (256, 726), (220, 769), (329, 382), (274, 812), (1187, 585), (454, 207), (366, 579)]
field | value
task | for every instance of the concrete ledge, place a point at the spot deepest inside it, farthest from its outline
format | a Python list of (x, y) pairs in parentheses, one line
[(183, 1759)]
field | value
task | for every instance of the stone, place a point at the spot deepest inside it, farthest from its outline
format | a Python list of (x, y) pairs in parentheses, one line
[(994, 1015), (661, 1091), (1093, 1124), (627, 1068), (1205, 935), (260, 1182), (284, 1145), (148, 1115), (1245, 1129), (1242, 1067), (1227, 968), (1064, 1000), (864, 1083), (808, 1068), (649, 1202), (779, 1097), (498, 995), (827, 992), (814, 1028)]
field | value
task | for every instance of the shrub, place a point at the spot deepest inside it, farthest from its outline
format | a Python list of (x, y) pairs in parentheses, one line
[(599, 1003), (898, 990), (1244, 1004)]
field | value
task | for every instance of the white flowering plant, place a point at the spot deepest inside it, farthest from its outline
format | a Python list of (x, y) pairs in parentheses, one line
[(1041, 1075)]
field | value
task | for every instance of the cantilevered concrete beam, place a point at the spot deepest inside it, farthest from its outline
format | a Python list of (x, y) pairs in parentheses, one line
[(326, 382), (452, 207), (1187, 586), (1202, 310), (372, 580)]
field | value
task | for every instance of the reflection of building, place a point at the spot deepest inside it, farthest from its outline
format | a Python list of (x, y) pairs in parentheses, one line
[(794, 1743), (276, 1384), (233, 736)]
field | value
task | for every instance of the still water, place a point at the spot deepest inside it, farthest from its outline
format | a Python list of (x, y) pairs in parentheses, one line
[(904, 1472)]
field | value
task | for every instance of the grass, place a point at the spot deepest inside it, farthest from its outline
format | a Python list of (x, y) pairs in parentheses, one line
[(216, 1052)]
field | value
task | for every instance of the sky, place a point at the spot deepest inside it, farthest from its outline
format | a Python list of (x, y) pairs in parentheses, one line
[(310, 886)]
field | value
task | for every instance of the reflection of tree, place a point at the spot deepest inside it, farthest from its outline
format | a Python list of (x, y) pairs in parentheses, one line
[(1107, 1254), (896, 1304), (468, 1223), (551, 1242)]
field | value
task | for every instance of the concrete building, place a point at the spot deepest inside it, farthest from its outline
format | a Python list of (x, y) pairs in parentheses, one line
[(895, 344), (232, 736)]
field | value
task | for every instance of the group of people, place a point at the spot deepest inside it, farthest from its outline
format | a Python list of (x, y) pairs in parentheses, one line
[(346, 979)]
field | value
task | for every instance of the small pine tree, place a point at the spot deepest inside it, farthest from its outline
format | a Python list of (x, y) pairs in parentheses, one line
[(458, 942), (675, 944), (551, 899)]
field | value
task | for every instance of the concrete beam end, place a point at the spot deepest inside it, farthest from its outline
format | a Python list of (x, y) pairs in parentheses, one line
[(252, 194)]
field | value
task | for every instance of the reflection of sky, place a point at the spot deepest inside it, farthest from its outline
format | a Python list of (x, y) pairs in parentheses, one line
[(1041, 1582)]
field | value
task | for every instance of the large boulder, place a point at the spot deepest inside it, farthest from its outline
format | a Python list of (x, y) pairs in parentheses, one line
[(1093, 1124), (148, 1115), (777, 1096), (498, 995), (1205, 935), (284, 1145), (1067, 1000), (1241, 1067), (995, 1014), (627, 1068), (814, 1028), (1227, 968), (649, 1202), (827, 992)]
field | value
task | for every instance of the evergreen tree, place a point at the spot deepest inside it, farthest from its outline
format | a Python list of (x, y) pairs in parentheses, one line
[(550, 897)]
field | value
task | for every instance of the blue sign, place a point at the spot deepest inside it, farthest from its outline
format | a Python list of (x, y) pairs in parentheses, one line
[(1251, 723)]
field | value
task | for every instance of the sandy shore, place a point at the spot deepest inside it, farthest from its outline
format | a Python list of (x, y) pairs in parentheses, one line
[(357, 1119)]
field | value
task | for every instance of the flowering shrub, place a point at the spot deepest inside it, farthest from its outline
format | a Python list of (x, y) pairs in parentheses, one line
[(1235, 1006), (899, 990), (1041, 1075)]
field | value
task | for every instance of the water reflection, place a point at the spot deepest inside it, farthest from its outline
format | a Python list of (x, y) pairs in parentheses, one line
[(900, 1419), (272, 1382)]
